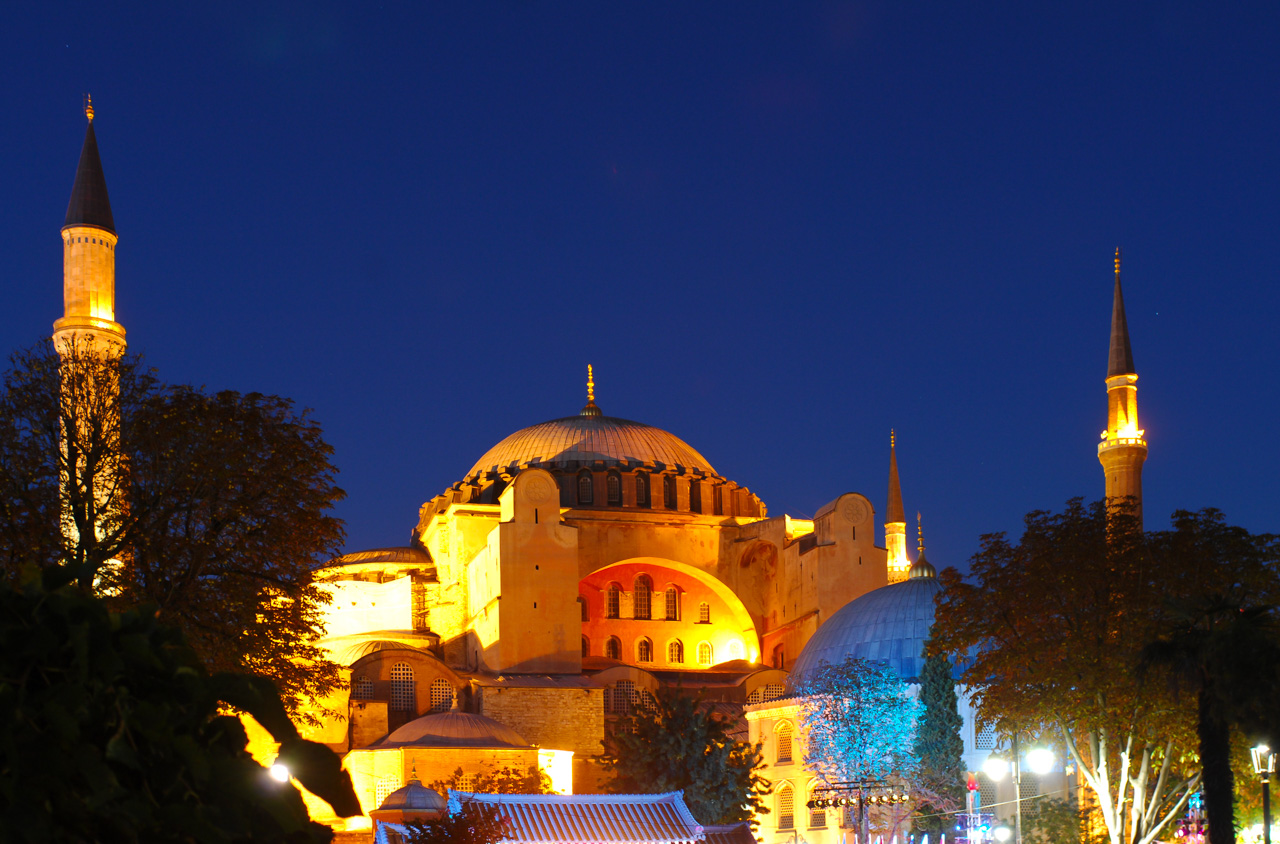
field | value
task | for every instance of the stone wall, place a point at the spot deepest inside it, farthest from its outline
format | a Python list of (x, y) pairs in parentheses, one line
[(554, 718)]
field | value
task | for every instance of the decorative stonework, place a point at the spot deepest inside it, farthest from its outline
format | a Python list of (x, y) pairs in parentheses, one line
[(540, 489), (855, 510)]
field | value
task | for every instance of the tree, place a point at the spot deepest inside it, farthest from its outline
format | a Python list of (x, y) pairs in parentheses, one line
[(117, 733), (471, 824), (214, 508), (504, 780), (1051, 632), (679, 744), (939, 747), (860, 727)]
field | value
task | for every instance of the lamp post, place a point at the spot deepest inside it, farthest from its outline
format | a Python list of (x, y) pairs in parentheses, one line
[(1264, 765), (1039, 759)]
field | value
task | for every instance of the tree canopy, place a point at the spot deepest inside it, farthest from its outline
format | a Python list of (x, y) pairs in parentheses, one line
[(116, 733), (471, 824), (1052, 632), (677, 743), (860, 726), (215, 508)]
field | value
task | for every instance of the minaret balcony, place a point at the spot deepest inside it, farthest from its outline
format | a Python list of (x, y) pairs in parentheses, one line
[(1128, 441)]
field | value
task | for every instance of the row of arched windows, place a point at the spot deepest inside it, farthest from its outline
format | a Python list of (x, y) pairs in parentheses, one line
[(403, 693), (786, 808), (642, 602), (644, 651), (670, 498)]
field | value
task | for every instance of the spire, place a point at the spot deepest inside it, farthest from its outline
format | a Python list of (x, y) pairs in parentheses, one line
[(922, 567), (89, 205), (590, 408), (894, 511), (919, 533), (1120, 361)]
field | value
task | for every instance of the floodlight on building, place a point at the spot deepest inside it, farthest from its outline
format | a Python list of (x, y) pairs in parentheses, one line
[(995, 767), (1002, 833)]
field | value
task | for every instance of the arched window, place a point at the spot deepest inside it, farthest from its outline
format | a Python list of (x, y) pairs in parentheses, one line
[(362, 689), (586, 487), (817, 816), (782, 735), (704, 613), (669, 492), (786, 808), (673, 604), (642, 489), (441, 696), (402, 697), (613, 648), (695, 497), (613, 488), (613, 599), (644, 651), (586, 646), (675, 652), (704, 654), (644, 597)]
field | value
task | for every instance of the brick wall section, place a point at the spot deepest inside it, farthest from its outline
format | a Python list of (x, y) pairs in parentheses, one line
[(557, 719)]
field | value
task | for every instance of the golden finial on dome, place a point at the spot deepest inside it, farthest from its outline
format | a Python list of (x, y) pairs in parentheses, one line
[(919, 533), (1117, 260), (591, 385), (88, 107)]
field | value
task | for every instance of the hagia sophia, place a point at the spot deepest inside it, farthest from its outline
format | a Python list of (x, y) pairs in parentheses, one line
[(583, 563)]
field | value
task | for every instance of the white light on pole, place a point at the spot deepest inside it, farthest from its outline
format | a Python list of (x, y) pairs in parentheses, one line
[(279, 772), (1040, 760), (995, 767)]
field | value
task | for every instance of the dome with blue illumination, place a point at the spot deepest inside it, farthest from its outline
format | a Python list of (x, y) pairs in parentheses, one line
[(889, 624)]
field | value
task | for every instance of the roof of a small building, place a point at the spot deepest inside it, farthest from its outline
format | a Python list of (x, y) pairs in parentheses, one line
[(734, 833), (591, 818), (414, 796), (454, 729)]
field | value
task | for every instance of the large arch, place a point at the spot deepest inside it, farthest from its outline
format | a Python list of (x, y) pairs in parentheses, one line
[(739, 621)]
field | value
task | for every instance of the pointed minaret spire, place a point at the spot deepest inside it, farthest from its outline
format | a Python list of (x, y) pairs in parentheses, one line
[(89, 254), (1123, 449), (590, 408), (1120, 360), (895, 522), (922, 568)]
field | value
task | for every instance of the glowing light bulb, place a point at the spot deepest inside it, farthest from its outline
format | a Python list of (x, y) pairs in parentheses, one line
[(995, 767), (1040, 760), (279, 772)]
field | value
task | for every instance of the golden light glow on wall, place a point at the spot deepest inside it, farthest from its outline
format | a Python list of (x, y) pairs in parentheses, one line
[(558, 766)]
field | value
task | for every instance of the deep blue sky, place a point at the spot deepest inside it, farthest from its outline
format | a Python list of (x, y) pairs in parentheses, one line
[(775, 230)]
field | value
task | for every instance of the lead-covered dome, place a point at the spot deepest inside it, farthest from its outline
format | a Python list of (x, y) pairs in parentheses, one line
[(889, 624), (584, 439)]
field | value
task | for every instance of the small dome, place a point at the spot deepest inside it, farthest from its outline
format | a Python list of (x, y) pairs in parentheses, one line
[(889, 624), (922, 568), (454, 729), (414, 797), (566, 443)]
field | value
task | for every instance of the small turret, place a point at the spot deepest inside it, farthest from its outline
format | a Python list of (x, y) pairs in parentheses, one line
[(1123, 449)]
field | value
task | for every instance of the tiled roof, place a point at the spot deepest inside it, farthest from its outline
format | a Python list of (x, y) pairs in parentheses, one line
[(565, 443), (738, 833), (592, 818)]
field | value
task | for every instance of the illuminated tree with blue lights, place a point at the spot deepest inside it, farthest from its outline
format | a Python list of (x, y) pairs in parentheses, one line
[(860, 728)]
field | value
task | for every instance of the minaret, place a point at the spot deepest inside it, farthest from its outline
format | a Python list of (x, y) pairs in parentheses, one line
[(1122, 450), (89, 256), (895, 522)]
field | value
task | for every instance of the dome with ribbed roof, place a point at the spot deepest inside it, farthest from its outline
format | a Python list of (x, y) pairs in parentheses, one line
[(586, 438), (414, 796), (454, 729), (889, 624)]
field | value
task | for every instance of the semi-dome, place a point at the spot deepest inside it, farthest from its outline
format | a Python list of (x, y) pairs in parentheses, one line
[(889, 624), (573, 441), (454, 729)]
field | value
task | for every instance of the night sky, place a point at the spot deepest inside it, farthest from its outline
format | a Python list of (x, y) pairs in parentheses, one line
[(777, 231)]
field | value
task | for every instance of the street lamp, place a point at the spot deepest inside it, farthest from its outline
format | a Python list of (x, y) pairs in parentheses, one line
[(1264, 765), (995, 767)]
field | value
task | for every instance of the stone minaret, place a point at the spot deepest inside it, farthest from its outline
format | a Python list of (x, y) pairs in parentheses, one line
[(895, 522), (1122, 450), (89, 257)]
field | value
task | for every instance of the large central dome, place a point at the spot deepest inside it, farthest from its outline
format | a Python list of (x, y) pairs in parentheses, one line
[(581, 440)]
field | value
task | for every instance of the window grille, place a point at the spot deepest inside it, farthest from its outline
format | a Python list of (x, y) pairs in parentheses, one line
[(774, 691), (986, 791), (675, 653), (782, 735), (613, 648), (613, 601), (644, 651), (585, 487), (618, 697), (383, 787), (441, 696), (817, 817), (755, 697), (642, 490), (704, 613), (467, 782), (1029, 786), (704, 654), (402, 696), (643, 601), (984, 735), (362, 689), (786, 808), (673, 604), (613, 488)]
